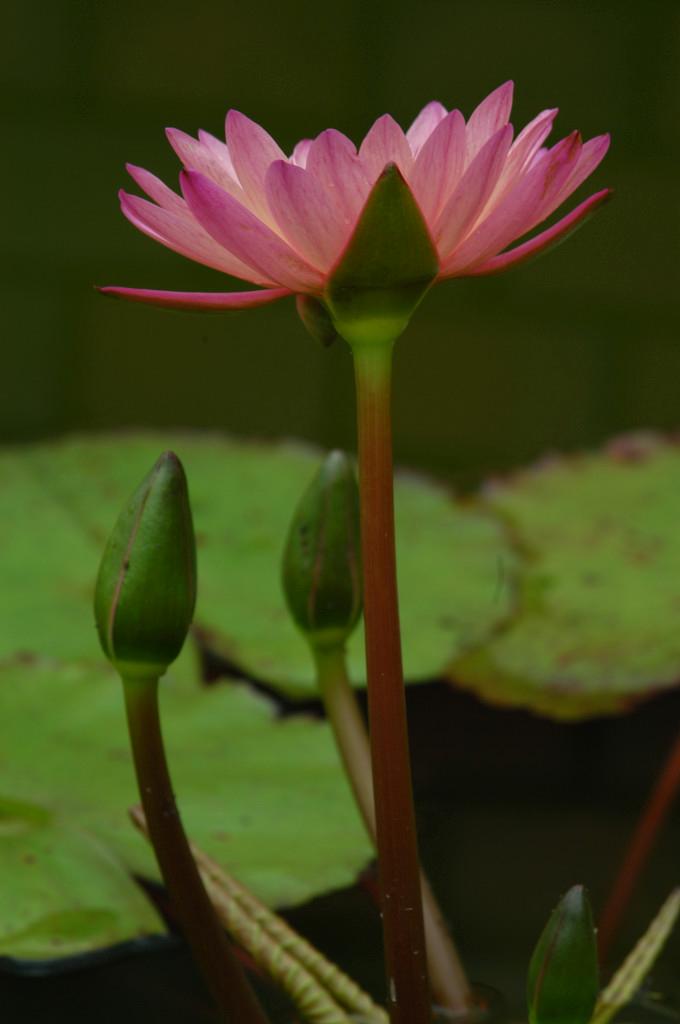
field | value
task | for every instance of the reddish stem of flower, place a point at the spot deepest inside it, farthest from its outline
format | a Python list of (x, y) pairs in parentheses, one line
[(644, 837), (400, 896), (450, 987), (209, 943)]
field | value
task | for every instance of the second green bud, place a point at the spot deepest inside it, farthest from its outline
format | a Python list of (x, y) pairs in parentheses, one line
[(321, 562), (563, 975)]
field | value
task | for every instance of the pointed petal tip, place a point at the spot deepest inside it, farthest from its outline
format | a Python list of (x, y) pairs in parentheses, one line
[(176, 137), (207, 137), (110, 291), (235, 118), (387, 119), (506, 88)]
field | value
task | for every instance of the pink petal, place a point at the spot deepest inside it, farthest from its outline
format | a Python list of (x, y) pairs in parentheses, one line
[(517, 213), (301, 152), (216, 301), (491, 114), (468, 199), (547, 239), (525, 147), (182, 233), (197, 156), (385, 144), (243, 234), (157, 190), (306, 213), (562, 160), (439, 165), (424, 124), (333, 161), (591, 155), (252, 151)]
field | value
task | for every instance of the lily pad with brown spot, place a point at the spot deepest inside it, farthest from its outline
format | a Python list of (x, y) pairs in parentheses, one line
[(63, 891), (597, 626)]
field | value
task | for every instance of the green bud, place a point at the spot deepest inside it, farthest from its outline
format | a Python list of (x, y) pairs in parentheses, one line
[(146, 588), (389, 263), (321, 561), (563, 976), (316, 319)]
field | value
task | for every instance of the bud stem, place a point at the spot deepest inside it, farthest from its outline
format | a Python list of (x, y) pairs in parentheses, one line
[(449, 984), (401, 903), (640, 846), (206, 936)]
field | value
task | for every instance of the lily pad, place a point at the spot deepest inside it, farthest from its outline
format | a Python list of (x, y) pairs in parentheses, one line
[(243, 495), (48, 564), (598, 615), (265, 797), (63, 891)]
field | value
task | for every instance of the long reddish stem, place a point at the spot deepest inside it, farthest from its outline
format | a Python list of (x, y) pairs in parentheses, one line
[(401, 903), (450, 987), (206, 936), (644, 837)]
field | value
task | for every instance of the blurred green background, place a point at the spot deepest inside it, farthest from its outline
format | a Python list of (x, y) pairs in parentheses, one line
[(558, 354)]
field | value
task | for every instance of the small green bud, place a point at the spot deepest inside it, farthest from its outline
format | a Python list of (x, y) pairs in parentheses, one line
[(563, 976), (321, 561), (146, 588), (316, 319)]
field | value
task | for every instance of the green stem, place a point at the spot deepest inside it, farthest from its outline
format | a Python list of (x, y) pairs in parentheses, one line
[(449, 984), (206, 936), (401, 903)]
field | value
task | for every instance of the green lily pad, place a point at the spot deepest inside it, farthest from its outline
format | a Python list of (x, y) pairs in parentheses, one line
[(597, 621), (265, 797), (63, 891), (243, 495), (48, 564)]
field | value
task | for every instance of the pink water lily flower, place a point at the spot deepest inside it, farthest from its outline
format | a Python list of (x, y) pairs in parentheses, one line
[(283, 223)]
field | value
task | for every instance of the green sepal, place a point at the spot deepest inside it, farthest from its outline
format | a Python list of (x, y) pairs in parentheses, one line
[(321, 570), (146, 588), (389, 263), (316, 319), (563, 982)]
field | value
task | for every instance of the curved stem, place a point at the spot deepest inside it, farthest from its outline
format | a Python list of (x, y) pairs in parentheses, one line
[(449, 984), (639, 848), (401, 903), (204, 932)]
